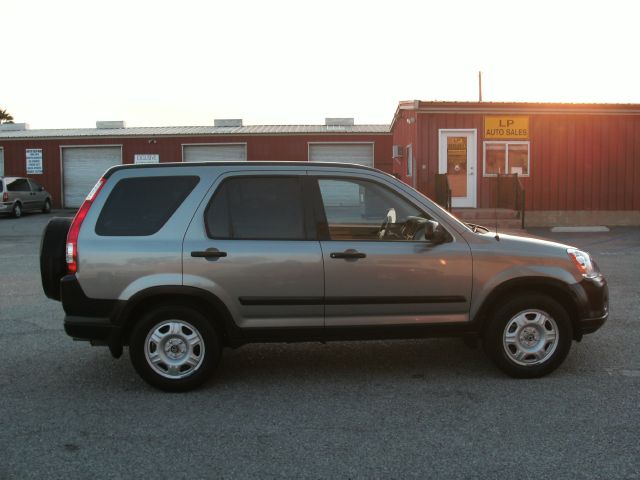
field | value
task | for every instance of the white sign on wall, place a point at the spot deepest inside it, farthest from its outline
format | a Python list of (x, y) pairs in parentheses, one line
[(34, 161), (140, 158)]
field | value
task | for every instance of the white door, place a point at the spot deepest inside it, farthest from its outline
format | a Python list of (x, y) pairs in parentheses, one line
[(223, 152), (458, 158), (82, 167), (360, 153), (1, 162)]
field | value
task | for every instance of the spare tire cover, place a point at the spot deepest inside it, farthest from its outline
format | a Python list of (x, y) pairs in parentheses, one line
[(53, 265)]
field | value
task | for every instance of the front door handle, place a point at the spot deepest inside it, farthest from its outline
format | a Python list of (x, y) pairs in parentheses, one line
[(348, 254), (210, 253)]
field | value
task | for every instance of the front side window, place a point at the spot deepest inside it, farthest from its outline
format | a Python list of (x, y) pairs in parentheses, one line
[(506, 158), (363, 210), (141, 206), (257, 208)]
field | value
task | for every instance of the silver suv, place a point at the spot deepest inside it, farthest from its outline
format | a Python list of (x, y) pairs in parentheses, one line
[(20, 194), (176, 261)]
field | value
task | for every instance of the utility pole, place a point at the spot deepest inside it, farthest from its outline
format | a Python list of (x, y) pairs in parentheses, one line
[(480, 86)]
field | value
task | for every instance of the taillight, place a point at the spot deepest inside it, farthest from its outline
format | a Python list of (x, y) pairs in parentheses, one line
[(74, 231), (5, 197)]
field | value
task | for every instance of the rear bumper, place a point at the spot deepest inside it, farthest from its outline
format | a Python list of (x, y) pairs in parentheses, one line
[(88, 318), (96, 329)]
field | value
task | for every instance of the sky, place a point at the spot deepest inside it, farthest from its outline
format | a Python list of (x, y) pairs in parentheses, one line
[(68, 63)]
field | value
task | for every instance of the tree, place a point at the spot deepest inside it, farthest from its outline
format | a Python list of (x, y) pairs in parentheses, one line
[(5, 117)]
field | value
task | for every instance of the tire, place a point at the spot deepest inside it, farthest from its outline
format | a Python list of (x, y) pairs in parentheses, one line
[(529, 336), (46, 208), (53, 265), (16, 211), (174, 348)]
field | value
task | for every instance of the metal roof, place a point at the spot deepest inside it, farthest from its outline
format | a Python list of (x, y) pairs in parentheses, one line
[(194, 131)]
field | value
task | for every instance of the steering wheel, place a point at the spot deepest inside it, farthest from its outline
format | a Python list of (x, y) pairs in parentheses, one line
[(389, 219)]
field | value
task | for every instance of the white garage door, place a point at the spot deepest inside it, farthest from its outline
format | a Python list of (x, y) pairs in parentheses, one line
[(82, 167), (214, 153), (1, 162), (360, 153)]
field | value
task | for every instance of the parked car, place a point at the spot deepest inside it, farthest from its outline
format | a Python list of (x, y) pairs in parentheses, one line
[(20, 194), (176, 261)]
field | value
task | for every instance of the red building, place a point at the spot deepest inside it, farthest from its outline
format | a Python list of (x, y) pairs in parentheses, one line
[(575, 163)]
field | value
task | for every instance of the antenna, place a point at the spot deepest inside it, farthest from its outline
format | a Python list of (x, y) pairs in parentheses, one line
[(480, 86), (495, 211)]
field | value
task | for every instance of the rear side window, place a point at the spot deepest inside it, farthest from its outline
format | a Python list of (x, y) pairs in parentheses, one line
[(18, 185), (141, 206), (257, 208)]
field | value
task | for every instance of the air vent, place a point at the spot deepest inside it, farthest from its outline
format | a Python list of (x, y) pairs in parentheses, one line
[(338, 122), (227, 122), (396, 151), (14, 127), (110, 124)]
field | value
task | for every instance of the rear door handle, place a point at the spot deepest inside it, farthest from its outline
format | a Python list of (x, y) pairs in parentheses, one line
[(212, 253), (348, 254)]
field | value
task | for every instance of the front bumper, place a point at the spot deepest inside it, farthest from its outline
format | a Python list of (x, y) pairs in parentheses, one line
[(592, 295)]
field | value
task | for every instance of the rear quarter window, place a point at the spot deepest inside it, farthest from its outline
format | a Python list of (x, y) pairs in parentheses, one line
[(141, 206)]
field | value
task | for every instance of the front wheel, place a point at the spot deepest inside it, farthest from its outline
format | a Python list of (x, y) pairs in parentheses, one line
[(46, 208), (174, 348), (528, 336)]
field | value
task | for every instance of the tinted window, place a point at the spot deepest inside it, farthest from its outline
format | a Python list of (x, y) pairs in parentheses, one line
[(357, 210), (18, 185), (141, 206), (266, 208), (35, 186)]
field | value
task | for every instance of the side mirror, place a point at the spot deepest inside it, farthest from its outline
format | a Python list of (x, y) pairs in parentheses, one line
[(41, 189), (433, 233)]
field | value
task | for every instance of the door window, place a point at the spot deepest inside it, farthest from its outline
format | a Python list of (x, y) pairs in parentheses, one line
[(258, 208), (35, 186), (363, 210), (457, 165)]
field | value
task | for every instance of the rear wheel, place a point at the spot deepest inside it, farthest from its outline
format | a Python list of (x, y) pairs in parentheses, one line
[(16, 211), (174, 348), (528, 336)]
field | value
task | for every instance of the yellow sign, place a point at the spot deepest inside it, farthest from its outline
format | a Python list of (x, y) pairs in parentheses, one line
[(506, 127)]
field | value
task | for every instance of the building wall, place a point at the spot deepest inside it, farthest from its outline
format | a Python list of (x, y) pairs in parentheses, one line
[(259, 147), (577, 161)]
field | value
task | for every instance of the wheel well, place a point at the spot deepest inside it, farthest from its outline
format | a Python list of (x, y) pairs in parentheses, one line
[(214, 311), (556, 292)]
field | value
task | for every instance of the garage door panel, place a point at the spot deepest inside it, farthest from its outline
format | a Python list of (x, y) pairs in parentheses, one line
[(1, 162), (82, 168), (359, 153), (214, 153)]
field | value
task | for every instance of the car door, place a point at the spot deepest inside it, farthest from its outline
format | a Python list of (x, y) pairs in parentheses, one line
[(253, 244), (38, 195), (378, 270)]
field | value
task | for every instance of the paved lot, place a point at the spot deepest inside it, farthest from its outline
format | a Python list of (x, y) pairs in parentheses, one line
[(427, 409)]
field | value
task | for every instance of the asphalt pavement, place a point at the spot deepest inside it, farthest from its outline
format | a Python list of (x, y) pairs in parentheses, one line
[(385, 409)]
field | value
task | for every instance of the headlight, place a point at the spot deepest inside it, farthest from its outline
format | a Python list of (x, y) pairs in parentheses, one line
[(582, 260)]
